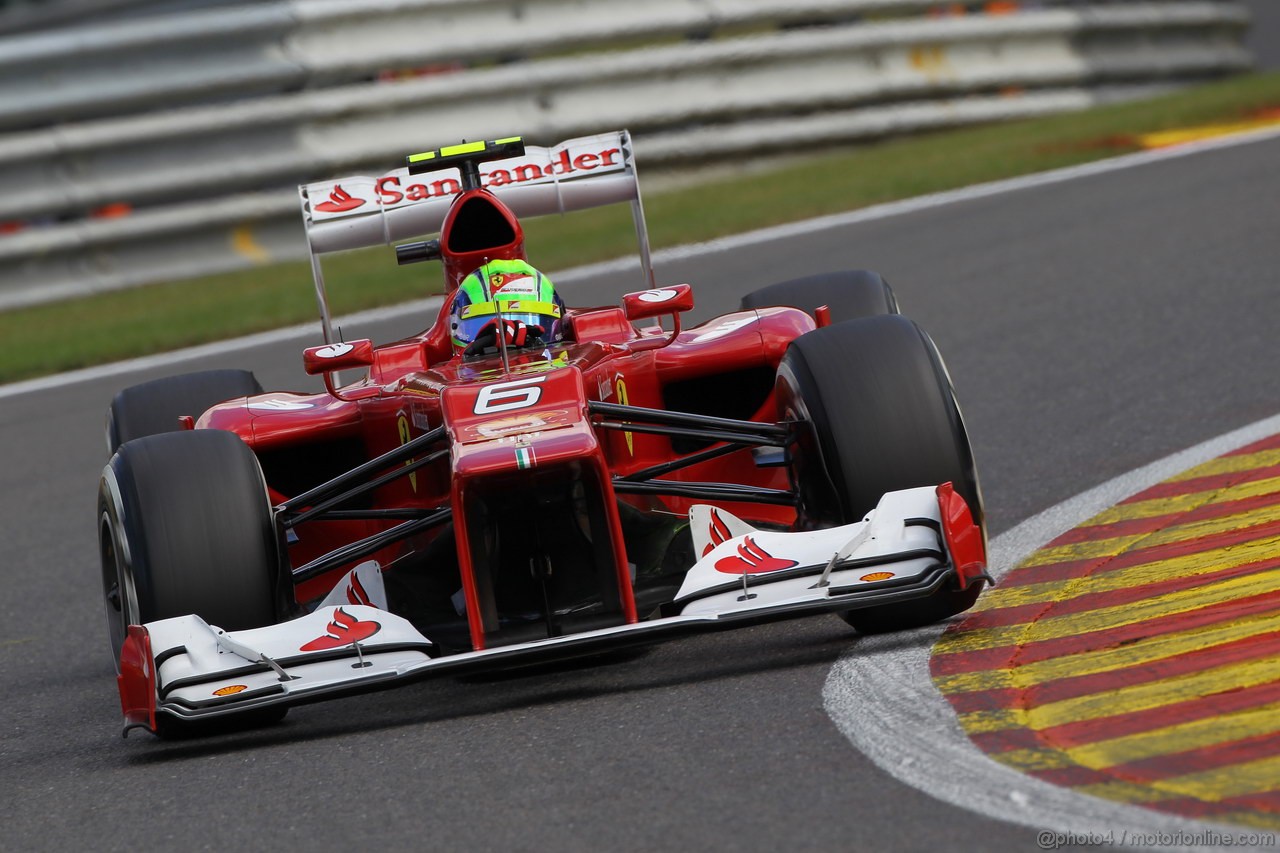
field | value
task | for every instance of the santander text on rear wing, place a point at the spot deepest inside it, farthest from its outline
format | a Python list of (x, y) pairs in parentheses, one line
[(360, 211), (408, 203)]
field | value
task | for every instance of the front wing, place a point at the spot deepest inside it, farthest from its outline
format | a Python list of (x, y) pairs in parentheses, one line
[(183, 670)]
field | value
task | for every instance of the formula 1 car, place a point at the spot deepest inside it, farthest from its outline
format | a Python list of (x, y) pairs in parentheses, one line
[(522, 499)]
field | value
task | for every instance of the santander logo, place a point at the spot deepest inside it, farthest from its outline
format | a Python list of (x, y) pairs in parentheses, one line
[(719, 533), (343, 630), (356, 593), (751, 559), (340, 201)]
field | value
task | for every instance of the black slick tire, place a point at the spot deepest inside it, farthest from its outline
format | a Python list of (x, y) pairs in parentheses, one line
[(185, 526), (154, 407), (881, 415), (850, 294)]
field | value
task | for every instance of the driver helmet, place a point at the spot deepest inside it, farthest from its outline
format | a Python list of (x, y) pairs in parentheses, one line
[(527, 301)]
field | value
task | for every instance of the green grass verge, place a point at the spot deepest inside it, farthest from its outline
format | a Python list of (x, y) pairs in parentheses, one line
[(109, 327)]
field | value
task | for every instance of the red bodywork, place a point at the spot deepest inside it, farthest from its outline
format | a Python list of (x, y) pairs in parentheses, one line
[(513, 429)]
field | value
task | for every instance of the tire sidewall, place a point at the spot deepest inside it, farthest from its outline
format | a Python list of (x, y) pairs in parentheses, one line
[(814, 470), (116, 557)]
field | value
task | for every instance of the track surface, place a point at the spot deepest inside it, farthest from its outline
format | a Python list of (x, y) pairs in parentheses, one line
[(1090, 327), (1262, 33)]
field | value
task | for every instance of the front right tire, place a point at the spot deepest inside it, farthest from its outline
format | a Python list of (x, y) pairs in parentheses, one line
[(881, 415)]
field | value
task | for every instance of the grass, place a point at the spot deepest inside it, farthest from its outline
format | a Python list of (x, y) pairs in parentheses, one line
[(66, 335)]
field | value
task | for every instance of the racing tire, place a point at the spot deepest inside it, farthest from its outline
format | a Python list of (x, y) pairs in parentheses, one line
[(154, 407), (185, 526), (851, 294), (882, 416)]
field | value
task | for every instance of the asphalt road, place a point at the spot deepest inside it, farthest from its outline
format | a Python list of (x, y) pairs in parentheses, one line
[(1090, 327), (1263, 30)]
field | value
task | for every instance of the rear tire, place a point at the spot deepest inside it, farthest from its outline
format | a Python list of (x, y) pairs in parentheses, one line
[(154, 407), (851, 294), (185, 527), (882, 416)]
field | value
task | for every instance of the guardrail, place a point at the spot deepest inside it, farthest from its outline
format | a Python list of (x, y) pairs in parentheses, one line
[(286, 46), (198, 179), (27, 15)]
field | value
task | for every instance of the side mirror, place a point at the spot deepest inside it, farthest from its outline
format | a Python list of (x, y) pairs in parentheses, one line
[(658, 302), (338, 356)]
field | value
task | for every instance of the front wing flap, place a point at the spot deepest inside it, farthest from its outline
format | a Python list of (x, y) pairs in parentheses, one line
[(898, 544), (185, 670)]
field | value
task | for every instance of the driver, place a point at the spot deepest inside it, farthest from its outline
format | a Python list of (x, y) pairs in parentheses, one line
[(511, 294)]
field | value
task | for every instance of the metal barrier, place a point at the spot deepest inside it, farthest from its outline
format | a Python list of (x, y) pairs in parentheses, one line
[(293, 44), (212, 187), (27, 15)]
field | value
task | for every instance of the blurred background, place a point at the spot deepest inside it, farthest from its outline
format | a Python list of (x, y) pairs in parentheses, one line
[(146, 142)]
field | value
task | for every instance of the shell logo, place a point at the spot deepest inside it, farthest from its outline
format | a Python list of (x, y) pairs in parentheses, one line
[(876, 576), (231, 690)]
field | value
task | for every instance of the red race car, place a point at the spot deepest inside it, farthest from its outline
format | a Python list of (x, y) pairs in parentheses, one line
[(526, 480)]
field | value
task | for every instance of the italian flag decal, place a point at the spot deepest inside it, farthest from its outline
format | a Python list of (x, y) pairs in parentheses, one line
[(524, 457)]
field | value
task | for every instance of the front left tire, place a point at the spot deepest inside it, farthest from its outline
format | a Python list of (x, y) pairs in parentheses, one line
[(184, 527)]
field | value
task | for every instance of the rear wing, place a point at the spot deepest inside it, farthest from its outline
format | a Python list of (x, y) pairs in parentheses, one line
[(409, 203)]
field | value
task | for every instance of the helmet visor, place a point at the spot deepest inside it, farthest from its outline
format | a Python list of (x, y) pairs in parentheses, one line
[(472, 318)]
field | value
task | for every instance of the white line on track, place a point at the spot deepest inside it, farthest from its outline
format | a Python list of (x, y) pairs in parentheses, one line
[(725, 244), (881, 696)]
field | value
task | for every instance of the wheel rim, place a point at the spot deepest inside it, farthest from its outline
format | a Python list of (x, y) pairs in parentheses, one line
[(118, 596)]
